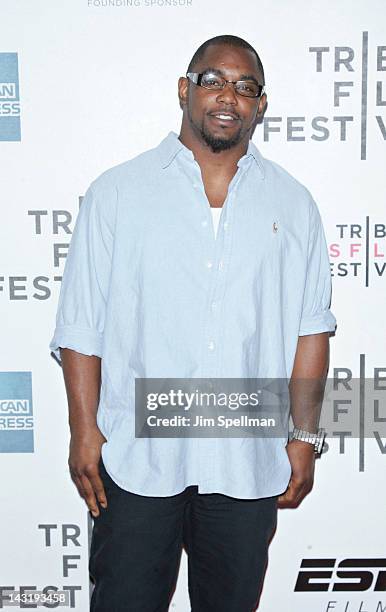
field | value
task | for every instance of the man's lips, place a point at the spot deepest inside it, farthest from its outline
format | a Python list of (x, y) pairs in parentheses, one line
[(224, 118)]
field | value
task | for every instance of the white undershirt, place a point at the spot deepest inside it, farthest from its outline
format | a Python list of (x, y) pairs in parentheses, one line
[(216, 212)]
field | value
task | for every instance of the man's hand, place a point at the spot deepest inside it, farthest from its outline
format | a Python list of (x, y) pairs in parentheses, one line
[(85, 452), (82, 376), (302, 459)]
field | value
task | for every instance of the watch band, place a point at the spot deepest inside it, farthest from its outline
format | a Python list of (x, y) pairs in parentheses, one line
[(317, 439)]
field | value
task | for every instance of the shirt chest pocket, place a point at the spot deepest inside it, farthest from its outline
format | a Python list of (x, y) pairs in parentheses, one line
[(273, 246), (266, 240)]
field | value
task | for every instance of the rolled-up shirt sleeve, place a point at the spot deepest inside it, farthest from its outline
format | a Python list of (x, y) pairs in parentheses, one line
[(316, 314), (81, 309)]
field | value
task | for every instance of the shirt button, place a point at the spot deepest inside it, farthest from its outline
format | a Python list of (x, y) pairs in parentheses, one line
[(211, 345), (220, 265), (214, 305), (225, 226), (209, 264), (204, 223)]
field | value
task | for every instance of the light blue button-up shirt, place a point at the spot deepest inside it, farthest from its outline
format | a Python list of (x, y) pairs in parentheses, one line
[(149, 288)]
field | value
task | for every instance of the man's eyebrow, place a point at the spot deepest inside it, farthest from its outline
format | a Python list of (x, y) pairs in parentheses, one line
[(242, 77)]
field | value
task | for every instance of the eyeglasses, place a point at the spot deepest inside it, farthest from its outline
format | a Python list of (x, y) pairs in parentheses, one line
[(210, 80)]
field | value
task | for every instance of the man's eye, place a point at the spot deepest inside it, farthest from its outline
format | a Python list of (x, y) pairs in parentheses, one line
[(245, 87), (211, 80)]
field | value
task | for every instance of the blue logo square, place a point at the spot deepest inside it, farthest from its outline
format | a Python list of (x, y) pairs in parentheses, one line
[(16, 413), (9, 98)]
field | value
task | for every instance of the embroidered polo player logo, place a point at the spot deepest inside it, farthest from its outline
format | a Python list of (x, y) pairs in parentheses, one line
[(275, 227)]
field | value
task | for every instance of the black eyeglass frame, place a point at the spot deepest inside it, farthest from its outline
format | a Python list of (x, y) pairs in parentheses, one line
[(196, 78)]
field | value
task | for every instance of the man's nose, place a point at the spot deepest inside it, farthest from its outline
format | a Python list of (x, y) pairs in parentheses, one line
[(228, 94)]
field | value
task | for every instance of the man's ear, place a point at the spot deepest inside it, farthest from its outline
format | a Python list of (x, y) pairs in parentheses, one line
[(183, 85), (262, 106)]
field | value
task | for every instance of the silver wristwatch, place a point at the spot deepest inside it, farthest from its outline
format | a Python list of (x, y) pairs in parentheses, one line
[(317, 439)]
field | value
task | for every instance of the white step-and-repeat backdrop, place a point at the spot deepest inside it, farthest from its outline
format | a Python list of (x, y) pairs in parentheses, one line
[(71, 106)]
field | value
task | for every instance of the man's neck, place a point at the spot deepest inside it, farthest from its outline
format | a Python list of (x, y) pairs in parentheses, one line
[(222, 162)]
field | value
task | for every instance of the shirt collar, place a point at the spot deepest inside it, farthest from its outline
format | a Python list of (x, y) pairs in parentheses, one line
[(171, 145)]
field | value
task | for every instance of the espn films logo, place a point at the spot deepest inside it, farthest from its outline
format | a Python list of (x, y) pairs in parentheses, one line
[(348, 575), (350, 578)]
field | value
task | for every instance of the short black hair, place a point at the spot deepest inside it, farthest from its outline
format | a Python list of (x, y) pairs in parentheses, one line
[(225, 39)]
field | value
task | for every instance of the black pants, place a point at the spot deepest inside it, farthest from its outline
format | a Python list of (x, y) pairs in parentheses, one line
[(137, 543)]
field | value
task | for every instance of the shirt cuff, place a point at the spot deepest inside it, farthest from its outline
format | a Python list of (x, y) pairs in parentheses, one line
[(80, 339), (318, 323)]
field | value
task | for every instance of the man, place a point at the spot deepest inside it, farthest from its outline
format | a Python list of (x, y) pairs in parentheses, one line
[(149, 292)]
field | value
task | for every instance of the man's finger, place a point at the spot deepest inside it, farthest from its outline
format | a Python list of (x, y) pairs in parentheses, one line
[(99, 490), (78, 485), (89, 495)]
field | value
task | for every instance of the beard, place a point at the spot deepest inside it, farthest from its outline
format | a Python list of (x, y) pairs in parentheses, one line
[(216, 143)]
